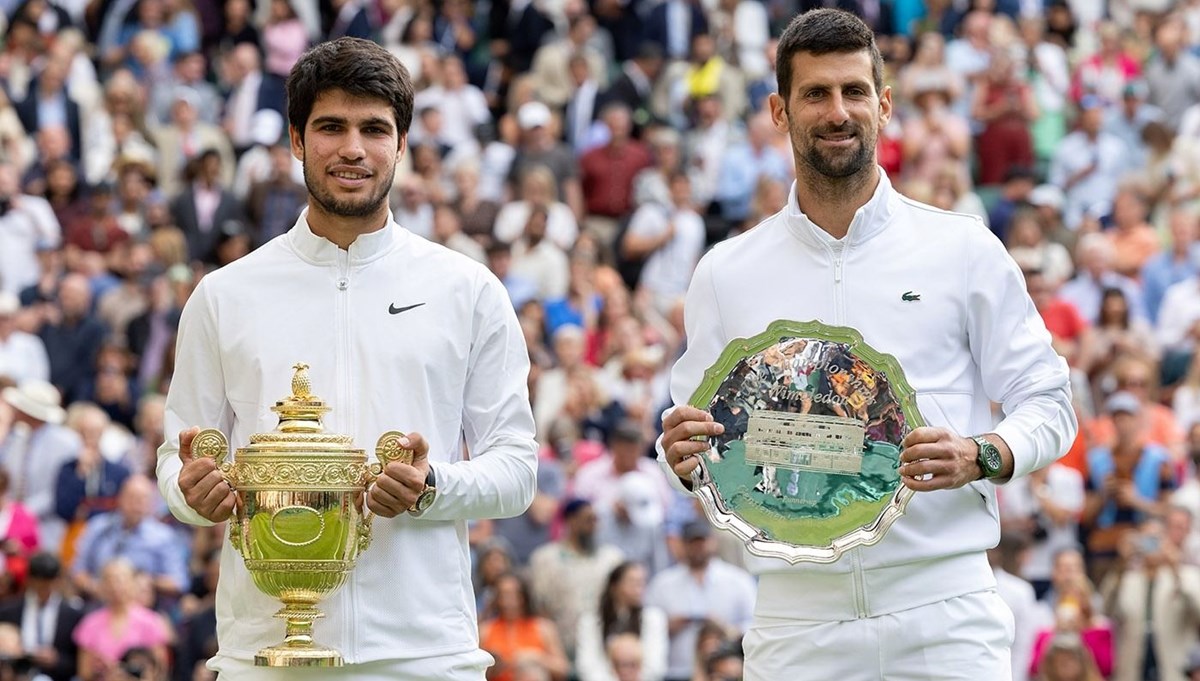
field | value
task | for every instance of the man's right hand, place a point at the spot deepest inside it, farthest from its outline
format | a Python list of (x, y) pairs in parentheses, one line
[(204, 487), (680, 425)]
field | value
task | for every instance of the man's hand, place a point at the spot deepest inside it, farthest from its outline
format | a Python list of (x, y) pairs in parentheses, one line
[(949, 458), (680, 425), (204, 487), (398, 487)]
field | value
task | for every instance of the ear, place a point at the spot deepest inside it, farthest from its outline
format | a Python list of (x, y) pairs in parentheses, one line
[(297, 143), (402, 147), (779, 115), (885, 106)]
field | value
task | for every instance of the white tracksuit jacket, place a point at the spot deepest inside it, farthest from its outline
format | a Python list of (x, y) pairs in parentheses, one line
[(453, 369), (973, 336)]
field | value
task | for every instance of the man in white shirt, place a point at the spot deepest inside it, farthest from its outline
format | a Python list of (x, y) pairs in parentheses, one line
[(400, 333), (670, 239), (27, 223), (699, 589), (22, 355)]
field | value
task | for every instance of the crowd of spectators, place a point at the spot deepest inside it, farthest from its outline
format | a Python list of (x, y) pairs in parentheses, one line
[(588, 152)]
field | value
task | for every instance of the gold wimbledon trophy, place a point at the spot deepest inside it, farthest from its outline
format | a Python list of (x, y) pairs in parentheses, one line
[(300, 521)]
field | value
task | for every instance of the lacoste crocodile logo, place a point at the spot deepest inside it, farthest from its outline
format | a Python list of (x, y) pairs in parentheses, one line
[(909, 296)]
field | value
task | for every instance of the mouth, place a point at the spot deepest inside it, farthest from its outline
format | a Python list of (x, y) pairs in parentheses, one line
[(837, 139), (350, 178)]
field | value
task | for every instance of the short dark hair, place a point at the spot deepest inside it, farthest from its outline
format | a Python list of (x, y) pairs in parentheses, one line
[(825, 31), (359, 67)]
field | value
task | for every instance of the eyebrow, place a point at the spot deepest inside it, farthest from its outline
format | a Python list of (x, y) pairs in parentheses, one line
[(340, 120)]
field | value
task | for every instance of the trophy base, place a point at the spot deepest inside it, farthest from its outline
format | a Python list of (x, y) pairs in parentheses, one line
[(290, 656)]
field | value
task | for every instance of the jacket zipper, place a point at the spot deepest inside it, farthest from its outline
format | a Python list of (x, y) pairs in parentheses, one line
[(838, 251), (342, 362)]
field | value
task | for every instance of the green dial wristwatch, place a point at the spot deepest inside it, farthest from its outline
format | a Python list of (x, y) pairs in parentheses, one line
[(988, 458)]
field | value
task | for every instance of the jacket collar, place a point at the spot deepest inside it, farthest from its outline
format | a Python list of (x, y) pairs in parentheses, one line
[(367, 247), (869, 220)]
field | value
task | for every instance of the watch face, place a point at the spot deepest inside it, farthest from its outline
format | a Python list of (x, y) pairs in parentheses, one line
[(425, 500), (989, 457)]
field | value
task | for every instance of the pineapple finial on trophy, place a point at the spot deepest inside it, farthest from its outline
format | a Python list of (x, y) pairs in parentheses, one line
[(301, 386)]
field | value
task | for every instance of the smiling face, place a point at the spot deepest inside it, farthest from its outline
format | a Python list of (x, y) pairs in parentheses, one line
[(833, 113), (350, 148)]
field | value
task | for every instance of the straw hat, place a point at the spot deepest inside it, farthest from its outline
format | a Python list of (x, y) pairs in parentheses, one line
[(36, 399)]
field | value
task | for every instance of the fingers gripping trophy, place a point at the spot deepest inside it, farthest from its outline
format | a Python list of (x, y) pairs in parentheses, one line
[(299, 520)]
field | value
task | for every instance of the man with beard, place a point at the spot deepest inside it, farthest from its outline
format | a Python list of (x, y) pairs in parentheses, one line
[(401, 333), (938, 292)]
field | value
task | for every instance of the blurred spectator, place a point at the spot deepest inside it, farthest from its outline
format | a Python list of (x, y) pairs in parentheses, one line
[(1054, 497), (1076, 614), (1087, 164), (1134, 240), (1004, 104), (1069, 331), (1125, 483), (1155, 600), (622, 613), (537, 192), (539, 147), (635, 84), (744, 164), (1117, 335), (711, 590), (514, 634), (182, 141), (1006, 560), (22, 355), (27, 223), (1031, 249), (462, 105), (600, 480), (1048, 73), (536, 257), (667, 240), (1173, 73), (47, 617), (50, 104), (198, 629), (607, 175), (204, 205), (1128, 119), (274, 203), (673, 24), (34, 450), (567, 576), (121, 624), (551, 63), (623, 659), (73, 336), (634, 523), (1105, 73), (1167, 267), (131, 533), (88, 485), (1068, 659), (725, 664), (1094, 258)]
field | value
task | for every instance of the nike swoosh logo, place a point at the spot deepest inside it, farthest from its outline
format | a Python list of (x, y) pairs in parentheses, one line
[(392, 309)]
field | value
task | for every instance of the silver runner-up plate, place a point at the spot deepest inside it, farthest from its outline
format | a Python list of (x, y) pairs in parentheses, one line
[(807, 467)]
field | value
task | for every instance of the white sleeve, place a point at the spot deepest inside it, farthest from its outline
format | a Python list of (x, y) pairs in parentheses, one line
[(706, 340), (500, 478), (196, 397), (1020, 369)]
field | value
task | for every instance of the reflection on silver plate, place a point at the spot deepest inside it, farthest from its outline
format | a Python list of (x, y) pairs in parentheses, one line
[(807, 466)]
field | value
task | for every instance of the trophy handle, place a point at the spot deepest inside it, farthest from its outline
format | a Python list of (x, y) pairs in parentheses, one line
[(213, 444), (387, 450)]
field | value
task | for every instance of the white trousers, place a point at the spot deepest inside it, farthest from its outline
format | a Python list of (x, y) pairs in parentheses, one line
[(963, 638), (468, 666)]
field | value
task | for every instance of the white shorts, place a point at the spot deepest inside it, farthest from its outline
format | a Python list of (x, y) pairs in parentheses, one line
[(964, 638), (468, 666)]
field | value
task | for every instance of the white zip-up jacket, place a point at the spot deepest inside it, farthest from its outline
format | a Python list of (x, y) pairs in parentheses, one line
[(453, 368), (972, 337)]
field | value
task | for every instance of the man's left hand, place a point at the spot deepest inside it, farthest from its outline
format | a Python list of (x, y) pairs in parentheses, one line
[(397, 488), (936, 458)]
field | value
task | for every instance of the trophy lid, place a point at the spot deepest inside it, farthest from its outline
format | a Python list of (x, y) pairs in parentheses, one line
[(300, 425)]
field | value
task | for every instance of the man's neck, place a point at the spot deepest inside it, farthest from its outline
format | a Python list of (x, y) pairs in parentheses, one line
[(831, 203)]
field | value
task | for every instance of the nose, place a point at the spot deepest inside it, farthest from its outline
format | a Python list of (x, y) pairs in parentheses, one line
[(837, 108), (352, 148)]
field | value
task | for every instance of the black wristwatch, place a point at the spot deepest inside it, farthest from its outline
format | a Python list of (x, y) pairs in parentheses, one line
[(427, 495), (988, 458)]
